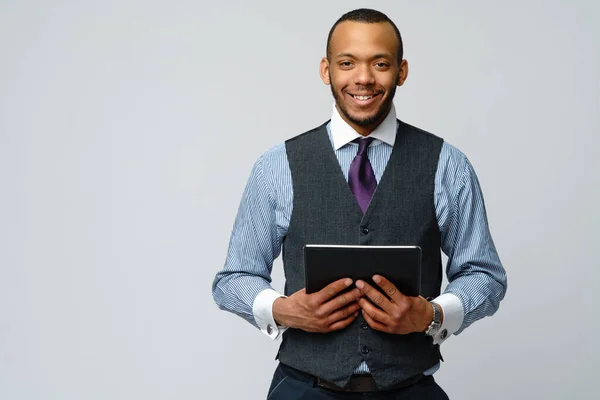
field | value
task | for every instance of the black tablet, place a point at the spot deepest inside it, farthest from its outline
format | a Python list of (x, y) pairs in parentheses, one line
[(401, 265)]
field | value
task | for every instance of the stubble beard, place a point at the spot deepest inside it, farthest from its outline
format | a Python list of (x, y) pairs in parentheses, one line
[(368, 121)]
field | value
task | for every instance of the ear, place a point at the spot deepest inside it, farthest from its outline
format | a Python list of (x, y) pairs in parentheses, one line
[(403, 73), (324, 71)]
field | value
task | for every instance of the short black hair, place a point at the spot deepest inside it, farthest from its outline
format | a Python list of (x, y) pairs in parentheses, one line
[(367, 16)]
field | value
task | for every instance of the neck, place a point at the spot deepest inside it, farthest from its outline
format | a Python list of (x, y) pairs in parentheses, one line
[(363, 130)]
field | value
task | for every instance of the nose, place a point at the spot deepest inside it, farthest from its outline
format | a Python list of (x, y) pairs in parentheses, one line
[(364, 75)]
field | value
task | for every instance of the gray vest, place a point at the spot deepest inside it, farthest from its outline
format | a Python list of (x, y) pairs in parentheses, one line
[(325, 211)]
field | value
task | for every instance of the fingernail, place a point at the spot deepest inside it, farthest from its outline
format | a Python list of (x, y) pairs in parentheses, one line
[(356, 314), (348, 282), (376, 278), (360, 284)]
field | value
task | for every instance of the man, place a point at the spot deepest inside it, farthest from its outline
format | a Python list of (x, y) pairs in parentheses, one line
[(319, 188)]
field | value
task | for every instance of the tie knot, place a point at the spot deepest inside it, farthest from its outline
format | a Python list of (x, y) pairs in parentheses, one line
[(363, 144)]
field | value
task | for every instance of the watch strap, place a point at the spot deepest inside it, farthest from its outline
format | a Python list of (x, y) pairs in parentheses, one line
[(436, 323)]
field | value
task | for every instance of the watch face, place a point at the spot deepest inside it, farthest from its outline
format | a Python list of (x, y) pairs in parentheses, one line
[(433, 328)]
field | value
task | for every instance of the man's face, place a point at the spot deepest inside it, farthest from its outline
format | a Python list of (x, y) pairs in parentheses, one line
[(363, 72)]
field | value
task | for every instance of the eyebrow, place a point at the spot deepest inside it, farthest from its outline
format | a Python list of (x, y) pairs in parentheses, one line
[(379, 55)]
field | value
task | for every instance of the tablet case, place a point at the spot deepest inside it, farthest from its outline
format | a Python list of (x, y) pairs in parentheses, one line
[(324, 264)]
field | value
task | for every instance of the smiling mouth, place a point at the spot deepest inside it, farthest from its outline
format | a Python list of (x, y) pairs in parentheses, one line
[(363, 97), (364, 101)]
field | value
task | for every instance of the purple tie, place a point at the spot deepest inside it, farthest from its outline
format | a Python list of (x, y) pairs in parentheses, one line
[(361, 177)]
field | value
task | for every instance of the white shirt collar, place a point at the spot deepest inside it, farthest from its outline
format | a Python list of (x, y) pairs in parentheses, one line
[(342, 133)]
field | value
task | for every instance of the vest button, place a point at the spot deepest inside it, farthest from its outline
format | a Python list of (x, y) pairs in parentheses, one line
[(365, 230), (365, 350), (364, 325)]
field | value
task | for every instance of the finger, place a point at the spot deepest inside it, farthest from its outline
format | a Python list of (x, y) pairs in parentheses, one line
[(375, 313), (343, 323), (343, 313), (374, 324), (341, 300), (389, 288), (375, 295), (332, 289)]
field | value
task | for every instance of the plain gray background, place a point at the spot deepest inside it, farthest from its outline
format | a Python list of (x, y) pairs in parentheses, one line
[(128, 130)]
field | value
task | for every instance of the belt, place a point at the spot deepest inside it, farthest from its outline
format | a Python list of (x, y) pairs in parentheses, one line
[(358, 383)]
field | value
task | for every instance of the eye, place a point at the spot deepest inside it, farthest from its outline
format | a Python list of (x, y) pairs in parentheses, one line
[(345, 64), (382, 65)]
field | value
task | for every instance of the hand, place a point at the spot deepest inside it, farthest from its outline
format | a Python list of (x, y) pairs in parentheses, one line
[(323, 311), (399, 314)]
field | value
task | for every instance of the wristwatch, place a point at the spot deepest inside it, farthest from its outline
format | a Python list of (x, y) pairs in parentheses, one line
[(436, 324)]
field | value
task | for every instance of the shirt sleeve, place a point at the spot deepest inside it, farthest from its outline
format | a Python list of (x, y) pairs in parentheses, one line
[(452, 309), (263, 313), (477, 279), (243, 286)]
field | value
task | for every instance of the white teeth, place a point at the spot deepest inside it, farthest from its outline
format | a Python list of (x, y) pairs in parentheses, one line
[(363, 97)]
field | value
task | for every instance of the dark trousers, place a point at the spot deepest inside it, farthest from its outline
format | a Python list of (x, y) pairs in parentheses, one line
[(290, 384)]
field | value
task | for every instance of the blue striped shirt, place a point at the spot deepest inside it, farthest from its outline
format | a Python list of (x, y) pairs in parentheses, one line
[(475, 274)]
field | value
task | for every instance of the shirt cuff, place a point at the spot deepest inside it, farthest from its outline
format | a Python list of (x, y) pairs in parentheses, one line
[(262, 308), (454, 314)]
